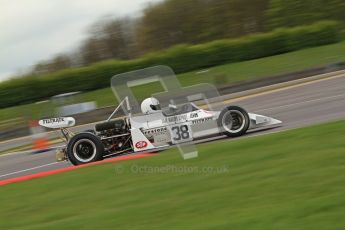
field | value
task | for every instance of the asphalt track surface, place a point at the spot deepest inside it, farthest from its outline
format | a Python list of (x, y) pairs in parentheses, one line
[(297, 106)]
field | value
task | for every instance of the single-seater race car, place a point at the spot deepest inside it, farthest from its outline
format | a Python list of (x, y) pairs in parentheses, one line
[(153, 130)]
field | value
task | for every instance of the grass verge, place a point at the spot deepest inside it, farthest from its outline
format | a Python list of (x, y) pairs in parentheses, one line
[(288, 180), (219, 75)]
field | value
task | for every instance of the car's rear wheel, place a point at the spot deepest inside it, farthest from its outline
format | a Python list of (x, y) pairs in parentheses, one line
[(233, 121), (84, 148)]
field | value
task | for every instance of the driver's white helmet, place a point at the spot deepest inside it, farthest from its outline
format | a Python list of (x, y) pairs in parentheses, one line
[(150, 105)]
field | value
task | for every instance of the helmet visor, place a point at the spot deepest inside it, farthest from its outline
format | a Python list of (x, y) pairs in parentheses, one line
[(155, 107)]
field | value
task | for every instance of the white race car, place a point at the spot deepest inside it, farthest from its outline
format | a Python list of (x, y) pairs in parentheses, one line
[(154, 129)]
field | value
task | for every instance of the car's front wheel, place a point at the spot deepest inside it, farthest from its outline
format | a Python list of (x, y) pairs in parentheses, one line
[(233, 121), (84, 148)]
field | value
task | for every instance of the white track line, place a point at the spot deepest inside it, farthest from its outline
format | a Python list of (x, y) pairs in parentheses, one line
[(333, 75), (29, 169), (259, 134)]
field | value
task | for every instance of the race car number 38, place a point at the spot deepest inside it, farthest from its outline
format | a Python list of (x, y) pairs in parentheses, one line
[(180, 133)]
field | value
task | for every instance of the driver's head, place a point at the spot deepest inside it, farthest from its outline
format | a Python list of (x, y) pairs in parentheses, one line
[(150, 105)]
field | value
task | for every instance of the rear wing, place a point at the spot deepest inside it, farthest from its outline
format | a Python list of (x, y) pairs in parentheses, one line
[(57, 123)]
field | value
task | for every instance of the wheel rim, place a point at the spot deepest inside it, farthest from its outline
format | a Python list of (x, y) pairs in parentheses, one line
[(84, 150), (233, 121)]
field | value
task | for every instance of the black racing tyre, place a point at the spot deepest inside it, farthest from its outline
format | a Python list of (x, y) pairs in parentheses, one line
[(233, 121), (84, 148)]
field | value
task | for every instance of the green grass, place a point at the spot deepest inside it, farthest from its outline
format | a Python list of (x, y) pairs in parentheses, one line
[(219, 75), (289, 180)]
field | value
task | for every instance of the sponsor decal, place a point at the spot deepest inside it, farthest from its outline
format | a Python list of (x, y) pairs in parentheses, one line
[(53, 120), (141, 144), (193, 115), (201, 120), (179, 118), (155, 131)]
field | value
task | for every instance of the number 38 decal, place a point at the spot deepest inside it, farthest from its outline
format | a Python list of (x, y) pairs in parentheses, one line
[(180, 133)]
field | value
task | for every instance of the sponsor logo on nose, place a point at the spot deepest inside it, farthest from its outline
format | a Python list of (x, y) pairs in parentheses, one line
[(141, 144)]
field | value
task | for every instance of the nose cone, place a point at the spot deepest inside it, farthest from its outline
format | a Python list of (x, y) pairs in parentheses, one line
[(274, 121), (257, 120)]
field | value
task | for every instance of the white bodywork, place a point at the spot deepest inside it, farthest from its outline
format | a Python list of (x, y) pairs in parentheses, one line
[(57, 123), (160, 130)]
